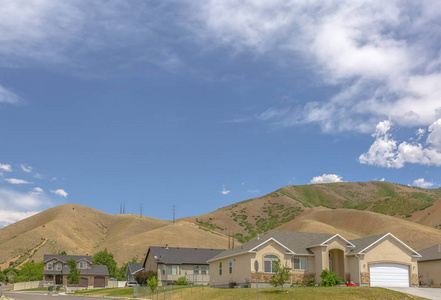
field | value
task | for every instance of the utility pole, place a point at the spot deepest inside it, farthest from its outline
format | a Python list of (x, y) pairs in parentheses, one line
[(140, 210), (124, 208)]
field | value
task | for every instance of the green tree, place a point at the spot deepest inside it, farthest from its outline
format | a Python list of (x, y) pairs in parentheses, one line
[(11, 276), (2, 277), (106, 258), (120, 273), (62, 252), (31, 271), (74, 275), (152, 283), (142, 277), (181, 281), (281, 274)]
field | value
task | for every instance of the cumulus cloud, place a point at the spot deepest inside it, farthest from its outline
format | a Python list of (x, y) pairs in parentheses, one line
[(25, 168), (17, 181), (59, 192), (225, 191), (422, 183), (8, 97), (326, 178), (15, 206), (38, 190), (386, 152), (383, 56), (6, 168)]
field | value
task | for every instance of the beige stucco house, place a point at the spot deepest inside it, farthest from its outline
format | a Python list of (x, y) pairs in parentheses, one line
[(429, 266), (381, 260), (173, 262), (91, 276)]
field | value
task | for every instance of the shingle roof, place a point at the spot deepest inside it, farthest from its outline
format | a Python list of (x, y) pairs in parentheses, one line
[(431, 253), (362, 243), (180, 256), (298, 242), (134, 267), (64, 258), (93, 270)]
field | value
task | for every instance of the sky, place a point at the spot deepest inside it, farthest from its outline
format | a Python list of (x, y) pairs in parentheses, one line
[(202, 104)]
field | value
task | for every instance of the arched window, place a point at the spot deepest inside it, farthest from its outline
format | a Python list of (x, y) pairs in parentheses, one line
[(268, 263)]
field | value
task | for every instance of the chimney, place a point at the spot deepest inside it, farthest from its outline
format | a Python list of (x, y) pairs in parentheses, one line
[(166, 246)]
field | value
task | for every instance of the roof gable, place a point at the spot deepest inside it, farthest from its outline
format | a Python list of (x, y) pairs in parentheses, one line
[(431, 253), (364, 244)]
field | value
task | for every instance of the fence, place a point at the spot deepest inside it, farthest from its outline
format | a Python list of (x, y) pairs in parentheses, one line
[(116, 284), (27, 285)]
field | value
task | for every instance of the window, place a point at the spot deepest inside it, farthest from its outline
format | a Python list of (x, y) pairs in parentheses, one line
[(172, 270), (220, 268), (163, 269), (59, 266), (230, 266), (203, 270), (196, 270), (83, 265), (299, 263), (49, 266), (268, 263)]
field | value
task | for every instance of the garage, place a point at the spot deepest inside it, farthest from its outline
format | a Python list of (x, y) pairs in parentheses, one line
[(100, 281), (389, 275), (84, 282)]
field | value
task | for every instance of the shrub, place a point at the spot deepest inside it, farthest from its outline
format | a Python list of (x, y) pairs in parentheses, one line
[(142, 276), (330, 278), (182, 281), (311, 282)]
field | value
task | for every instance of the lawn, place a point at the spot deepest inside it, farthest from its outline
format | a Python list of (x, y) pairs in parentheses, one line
[(310, 293)]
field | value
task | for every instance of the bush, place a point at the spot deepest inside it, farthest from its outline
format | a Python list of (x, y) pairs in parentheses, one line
[(182, 281), (311, 282), (330, 278), (142, 276)]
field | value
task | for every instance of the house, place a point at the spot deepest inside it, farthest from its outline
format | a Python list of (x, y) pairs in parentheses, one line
[(132, 269), (381, 260), (91, 276), (173, 262), (429, 266)]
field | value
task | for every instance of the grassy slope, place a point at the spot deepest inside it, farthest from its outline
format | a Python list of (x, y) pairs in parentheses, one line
[(289, 293), (82, 230)]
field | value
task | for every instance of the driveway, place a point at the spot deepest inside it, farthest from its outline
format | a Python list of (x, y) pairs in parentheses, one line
[(22, 295), (428, 293)]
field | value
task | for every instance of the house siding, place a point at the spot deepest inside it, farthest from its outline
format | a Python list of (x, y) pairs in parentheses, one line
[(430, 272)]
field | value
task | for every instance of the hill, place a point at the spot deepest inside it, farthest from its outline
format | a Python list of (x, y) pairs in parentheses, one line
[(78, 229), (248, 218)]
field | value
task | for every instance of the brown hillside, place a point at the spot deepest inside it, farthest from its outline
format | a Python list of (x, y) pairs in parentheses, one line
[(78, 229)]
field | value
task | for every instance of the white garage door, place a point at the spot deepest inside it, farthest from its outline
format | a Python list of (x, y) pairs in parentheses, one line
[(389, 275)]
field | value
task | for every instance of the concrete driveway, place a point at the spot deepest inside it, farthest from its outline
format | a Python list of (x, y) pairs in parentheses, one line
[(429, 293)]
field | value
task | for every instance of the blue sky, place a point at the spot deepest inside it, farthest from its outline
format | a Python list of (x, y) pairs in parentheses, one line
[(201, 105)]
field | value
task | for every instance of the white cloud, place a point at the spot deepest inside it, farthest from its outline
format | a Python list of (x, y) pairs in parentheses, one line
[(38, 176), (17, 181), (27, 169), (383, 56), (8, 97), (6, 168), (225, 191), (8, 217), (254, 191), (422, 183), (38, 190), (59, 192), (386, 152), (382, 179), (326, 178)]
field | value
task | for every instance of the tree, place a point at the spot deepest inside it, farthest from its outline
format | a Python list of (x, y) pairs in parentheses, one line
[(74, 275), (62, 252), (120, 273), (182, 281), (142, 277), (31, 271), (281, 274), (152, 283), (11, 276), (105, 258), (2, 277)]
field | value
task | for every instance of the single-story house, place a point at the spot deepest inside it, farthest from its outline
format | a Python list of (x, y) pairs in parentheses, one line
[(429, 266), (381, 260), (173, 262), (132, 269), (91, 276)]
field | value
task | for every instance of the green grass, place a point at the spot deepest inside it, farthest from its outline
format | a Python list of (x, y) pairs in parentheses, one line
[(310, 293)]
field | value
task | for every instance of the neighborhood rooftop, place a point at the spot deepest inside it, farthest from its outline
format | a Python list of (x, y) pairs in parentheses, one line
[(178, 255), (64, 258), (431, 253)]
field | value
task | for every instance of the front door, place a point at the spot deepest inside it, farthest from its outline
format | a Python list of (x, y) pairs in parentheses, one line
[(59, 279)]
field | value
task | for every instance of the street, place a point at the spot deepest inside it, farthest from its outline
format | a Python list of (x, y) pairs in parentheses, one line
[(23, 295)]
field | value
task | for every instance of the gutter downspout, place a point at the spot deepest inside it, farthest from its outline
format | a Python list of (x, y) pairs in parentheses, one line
[(359, 270)]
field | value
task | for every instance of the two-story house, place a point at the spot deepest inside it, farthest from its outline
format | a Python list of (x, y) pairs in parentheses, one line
[(91, 276), (173, 262)]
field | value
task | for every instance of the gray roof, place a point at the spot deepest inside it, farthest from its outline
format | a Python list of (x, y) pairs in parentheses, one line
[(298, 242), (362, 243), (182, 256), (92, 270), (64, 258), (431, 253), (132, 268)]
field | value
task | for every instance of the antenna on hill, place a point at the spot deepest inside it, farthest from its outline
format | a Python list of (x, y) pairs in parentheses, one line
[(124, 208), (174, 211), (140, 210)]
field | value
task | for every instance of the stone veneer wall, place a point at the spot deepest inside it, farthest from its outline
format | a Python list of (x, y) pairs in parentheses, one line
[(365, 278)]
